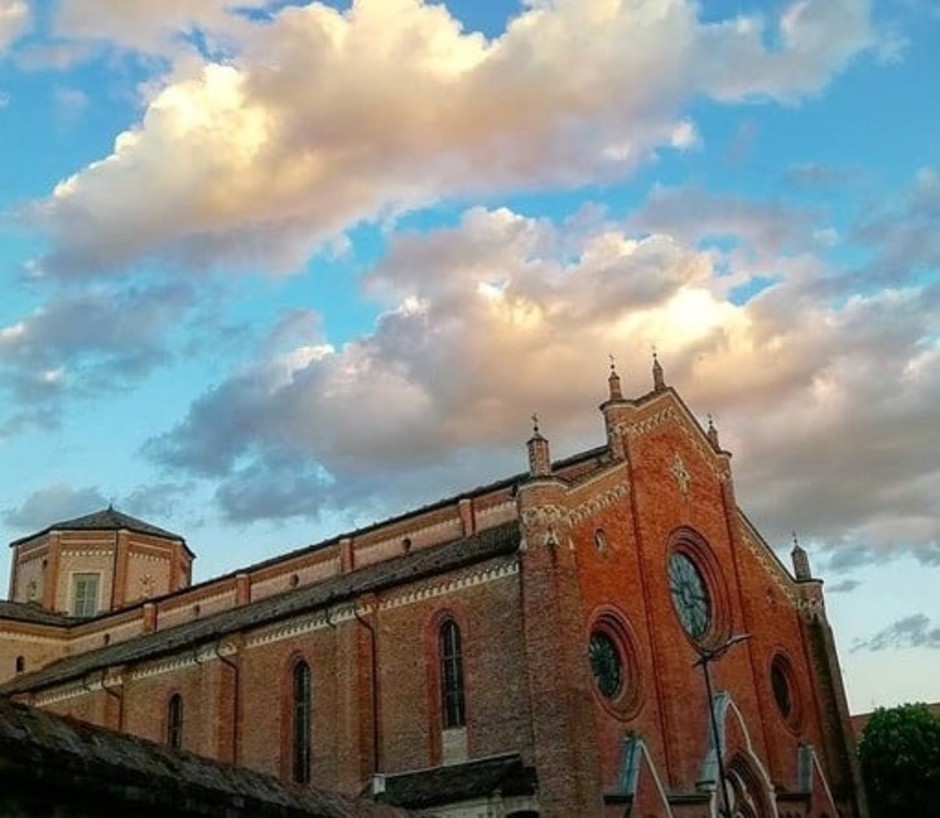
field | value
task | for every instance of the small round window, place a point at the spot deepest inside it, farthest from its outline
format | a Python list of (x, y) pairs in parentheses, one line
[(606, 664), (615, 668), (690, 595), (781, 685), (783, 688)]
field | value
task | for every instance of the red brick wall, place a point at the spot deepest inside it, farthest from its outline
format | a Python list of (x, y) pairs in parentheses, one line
[(36, 645), (339, 656), (525, 635), (630, 578)]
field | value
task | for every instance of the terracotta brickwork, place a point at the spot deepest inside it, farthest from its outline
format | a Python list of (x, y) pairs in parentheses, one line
[(565, 645), (129, 564)]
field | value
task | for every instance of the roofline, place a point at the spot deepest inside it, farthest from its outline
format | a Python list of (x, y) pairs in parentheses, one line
[(435, 505), (65, 527), (752, 529), (465, 557), (30, 615)]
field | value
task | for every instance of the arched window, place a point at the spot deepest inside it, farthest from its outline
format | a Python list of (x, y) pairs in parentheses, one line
[(452, 698), (20, 664), (300, 723), (174, 721), (747, 795)]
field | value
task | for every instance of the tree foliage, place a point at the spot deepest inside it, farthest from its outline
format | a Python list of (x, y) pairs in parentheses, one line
[(900, 756)]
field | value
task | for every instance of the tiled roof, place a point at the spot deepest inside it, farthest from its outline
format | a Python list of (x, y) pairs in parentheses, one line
[(598, 455), (45, 753), (424, 562), (108, 519), (423, 789), (31, 612)]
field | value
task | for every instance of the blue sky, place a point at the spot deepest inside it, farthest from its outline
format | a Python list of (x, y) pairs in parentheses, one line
[(273, 271)]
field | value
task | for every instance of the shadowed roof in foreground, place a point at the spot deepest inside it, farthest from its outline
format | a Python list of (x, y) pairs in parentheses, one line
[(45, 756)]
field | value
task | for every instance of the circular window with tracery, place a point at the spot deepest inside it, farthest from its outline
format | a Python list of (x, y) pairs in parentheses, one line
[(697, 588), (606, 664), (690, 595), (613, 661)]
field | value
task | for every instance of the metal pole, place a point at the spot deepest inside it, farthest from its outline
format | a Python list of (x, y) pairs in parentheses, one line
[(723, 783), (705, 658)]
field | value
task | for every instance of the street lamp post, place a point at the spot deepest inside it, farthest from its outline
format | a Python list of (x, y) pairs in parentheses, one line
[(705, 657)]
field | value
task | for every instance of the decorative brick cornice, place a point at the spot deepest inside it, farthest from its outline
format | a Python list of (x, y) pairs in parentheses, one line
[(206, 653), (648, 424), (718, 467), (159, 668), (547, 515), (61, 694), (598, 503), (137, 555), (671, 415), (33, 639), (335, 616), (507, 508), (480, 577), (544, 515), (300, 626), (769, 564)]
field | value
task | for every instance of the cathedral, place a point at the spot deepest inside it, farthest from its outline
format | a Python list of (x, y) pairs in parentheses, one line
[(602, 636)]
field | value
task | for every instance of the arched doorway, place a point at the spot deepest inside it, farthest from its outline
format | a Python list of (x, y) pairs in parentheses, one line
[(746, 795)]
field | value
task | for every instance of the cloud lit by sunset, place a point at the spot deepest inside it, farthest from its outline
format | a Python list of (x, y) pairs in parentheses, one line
[(289, 266)]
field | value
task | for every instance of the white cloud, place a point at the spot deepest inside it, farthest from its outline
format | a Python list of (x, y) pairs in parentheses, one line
[(826, 403), (319, 119), (14, 22), (156, 27), (80, 343), (685, 136), (915, 631), (53, 503), (71, 102)]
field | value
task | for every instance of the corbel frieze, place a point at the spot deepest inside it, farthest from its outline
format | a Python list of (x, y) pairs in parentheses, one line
[(544, 515)]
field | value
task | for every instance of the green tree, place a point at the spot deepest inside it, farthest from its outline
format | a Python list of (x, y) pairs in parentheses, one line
[(900, 756)]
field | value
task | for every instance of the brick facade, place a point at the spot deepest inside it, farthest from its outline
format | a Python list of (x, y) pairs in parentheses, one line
[(550, 576)]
